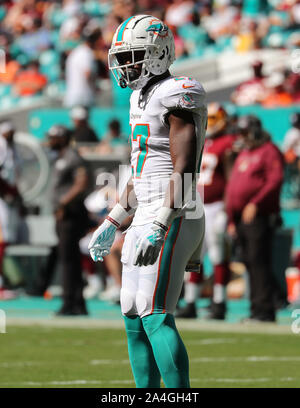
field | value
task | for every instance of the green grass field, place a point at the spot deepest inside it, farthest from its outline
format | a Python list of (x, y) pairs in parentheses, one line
[(84, 357)]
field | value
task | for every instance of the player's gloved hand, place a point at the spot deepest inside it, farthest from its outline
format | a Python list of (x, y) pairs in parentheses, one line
[(102, 240), (149, 245), (104, 235)]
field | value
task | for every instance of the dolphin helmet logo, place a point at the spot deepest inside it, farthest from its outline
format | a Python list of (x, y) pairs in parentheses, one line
[(159, 28)]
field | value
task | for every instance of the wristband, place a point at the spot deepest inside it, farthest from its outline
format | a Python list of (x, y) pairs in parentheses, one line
[(160, 225), (166, 216), (117, 215)]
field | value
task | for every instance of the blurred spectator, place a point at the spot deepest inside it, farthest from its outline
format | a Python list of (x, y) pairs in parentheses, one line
[(69, 187), (71, 7), (11, 203), (178, 13), (124, 9), (294, 13), (276, 95), (81, 69), (20, 16), (252, 200), (70, 30), (36, 39), (253, 90), (292, 86), (29, 81), (223, 20), (111, 24), (82, 132), (114, 140), (248, 37)]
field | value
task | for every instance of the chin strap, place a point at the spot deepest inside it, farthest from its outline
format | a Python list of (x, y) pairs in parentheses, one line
[(122, 82)]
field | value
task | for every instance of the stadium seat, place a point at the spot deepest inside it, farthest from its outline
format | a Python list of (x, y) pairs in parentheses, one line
[(49, 65), (55, 37), (224, 43), (9, 101), (57, 17), (23, 59), (49, 57), (56, 90), (68, 45), (95, 8), (195, 36), (4, 90), (252, 8)]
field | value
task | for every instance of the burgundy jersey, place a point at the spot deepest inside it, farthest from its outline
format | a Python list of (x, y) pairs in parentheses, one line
[(212, 179), (256, 178)]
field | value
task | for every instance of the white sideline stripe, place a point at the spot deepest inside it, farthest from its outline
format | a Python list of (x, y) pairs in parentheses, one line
[(208, 342), (243, 380), (72, 382), (250, 359), (18, 364), (195, 325), (108, 362), (115, 382), (202, 342)]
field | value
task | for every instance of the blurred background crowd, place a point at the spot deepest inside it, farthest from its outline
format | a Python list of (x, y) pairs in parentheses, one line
[(64, 122), (44, 40)]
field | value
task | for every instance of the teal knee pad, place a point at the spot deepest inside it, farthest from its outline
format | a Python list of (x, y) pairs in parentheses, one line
[(169, 351), (144, 368)]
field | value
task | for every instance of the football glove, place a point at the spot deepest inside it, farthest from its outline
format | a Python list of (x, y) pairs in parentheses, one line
[(149, 246), (104, 236), (102, 240)]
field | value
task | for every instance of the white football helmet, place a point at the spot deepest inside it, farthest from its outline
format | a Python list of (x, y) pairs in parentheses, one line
[(144, 40)]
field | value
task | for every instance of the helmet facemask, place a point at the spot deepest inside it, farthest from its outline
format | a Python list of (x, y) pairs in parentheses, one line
[(130, 68)]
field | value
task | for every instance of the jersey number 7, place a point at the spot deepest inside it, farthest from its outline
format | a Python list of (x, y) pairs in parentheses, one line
[(141, 133)]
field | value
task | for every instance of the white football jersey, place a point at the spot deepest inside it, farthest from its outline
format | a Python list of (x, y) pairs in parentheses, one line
[(150, 156)]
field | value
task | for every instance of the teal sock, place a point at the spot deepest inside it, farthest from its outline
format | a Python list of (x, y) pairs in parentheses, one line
[(168, 349), (144, 368)]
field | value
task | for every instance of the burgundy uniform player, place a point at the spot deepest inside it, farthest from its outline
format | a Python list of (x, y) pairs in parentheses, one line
[(213, 177)]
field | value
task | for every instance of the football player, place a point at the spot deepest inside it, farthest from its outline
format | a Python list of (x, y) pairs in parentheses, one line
[(168, 117), (213, 177)]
